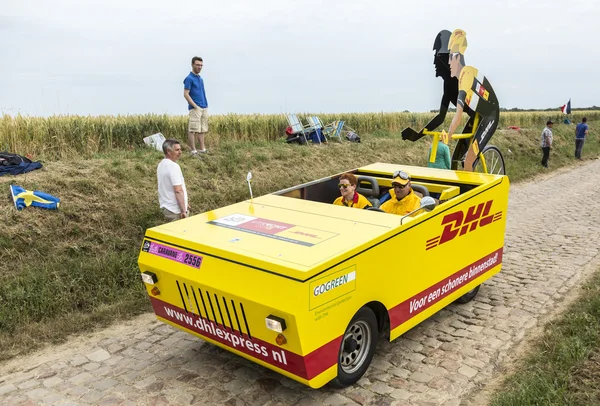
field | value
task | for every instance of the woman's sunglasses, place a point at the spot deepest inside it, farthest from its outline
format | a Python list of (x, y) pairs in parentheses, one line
[(343, 185)]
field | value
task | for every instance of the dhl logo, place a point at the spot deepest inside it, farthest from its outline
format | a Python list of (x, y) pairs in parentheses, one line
[(459, 223)]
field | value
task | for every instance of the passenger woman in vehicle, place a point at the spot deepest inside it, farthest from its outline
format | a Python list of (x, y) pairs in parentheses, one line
[(349, 197)]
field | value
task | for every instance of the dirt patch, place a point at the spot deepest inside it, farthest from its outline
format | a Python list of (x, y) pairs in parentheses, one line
[(585, 383)]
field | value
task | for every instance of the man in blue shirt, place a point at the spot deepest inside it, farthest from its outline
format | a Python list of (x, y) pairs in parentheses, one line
[(580, 133), (194, 94)]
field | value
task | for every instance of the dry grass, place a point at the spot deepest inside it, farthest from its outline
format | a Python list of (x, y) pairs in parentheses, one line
[(585, 381)]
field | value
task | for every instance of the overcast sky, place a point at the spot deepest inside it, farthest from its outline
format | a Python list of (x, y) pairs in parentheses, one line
[(277, 56)]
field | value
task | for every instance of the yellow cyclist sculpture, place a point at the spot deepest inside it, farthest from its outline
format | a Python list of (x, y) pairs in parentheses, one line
[(471, 94), (476, 92)]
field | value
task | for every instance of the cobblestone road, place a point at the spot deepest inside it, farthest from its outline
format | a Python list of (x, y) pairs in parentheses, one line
[(552, 241)]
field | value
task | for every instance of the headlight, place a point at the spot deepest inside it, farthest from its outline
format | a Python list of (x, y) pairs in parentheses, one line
[(149, 277), (275, 323)]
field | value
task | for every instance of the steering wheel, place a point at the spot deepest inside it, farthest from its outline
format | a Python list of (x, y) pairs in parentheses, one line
[(371, 208)]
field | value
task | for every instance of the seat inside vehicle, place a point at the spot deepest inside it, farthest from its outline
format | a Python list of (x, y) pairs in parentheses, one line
[(420, 189), (374, 187), (369, 188)]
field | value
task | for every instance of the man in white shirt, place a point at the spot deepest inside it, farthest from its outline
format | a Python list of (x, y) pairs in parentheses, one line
[(172, 194)]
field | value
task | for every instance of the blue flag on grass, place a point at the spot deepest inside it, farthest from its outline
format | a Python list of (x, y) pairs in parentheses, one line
[(24, 198)]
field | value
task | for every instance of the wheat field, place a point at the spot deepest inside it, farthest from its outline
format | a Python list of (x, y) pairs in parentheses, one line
[(59, 137)]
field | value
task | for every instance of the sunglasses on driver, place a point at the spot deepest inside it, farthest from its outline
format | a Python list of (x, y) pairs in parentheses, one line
[(399, 186)]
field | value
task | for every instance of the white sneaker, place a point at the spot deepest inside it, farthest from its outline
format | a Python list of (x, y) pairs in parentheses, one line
[(203, 151), (195, 154)]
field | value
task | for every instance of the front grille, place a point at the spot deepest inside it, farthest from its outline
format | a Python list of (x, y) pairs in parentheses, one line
[(214, 310)]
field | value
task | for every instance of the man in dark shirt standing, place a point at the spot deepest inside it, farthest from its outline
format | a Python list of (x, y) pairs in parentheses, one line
[(580, 133), (194, 94)]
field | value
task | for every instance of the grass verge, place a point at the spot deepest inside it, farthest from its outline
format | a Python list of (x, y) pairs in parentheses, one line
[(564, 366), (67, 271)]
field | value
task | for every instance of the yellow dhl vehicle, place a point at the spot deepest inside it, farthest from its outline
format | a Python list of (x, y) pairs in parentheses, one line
[(306, 288)]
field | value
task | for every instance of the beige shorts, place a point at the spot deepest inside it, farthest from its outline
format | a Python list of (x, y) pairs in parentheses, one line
[(170, 216), (198, 120)]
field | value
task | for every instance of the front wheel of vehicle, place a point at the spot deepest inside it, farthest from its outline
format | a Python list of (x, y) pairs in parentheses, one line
[(467, 297), (357, 348)]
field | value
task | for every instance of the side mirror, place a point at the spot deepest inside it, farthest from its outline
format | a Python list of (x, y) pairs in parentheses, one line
[(427, 204)]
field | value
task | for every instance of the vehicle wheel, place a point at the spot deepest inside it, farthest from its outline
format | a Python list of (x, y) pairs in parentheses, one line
[(467, 297), (493, 160), (357, 348)]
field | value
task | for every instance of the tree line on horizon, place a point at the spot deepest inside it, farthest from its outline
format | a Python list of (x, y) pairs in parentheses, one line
[(594, 107)]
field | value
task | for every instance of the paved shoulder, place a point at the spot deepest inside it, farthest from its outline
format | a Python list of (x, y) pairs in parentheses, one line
[(552, 238)]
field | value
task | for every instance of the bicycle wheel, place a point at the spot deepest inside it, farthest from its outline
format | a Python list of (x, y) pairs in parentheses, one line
[(494, 161)]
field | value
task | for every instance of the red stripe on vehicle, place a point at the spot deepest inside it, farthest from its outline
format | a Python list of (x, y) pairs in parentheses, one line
[(306, 367), (323, 358), (421, 301), (326, 356)]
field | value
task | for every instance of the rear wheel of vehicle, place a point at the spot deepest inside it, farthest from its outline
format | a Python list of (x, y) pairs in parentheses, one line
[(494, 161), (357, 348), (467, 297)]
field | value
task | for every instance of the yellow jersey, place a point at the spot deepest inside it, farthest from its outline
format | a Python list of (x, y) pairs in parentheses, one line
[(359, 201), (471, 91), (404, 206)]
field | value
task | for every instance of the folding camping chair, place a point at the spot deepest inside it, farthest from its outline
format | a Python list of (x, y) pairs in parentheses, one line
[(316, 125), (297, 127), (334, 130)]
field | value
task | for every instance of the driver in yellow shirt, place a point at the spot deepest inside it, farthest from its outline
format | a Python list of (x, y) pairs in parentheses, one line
[(349, 197), (403, 199)]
